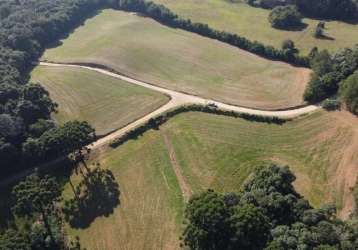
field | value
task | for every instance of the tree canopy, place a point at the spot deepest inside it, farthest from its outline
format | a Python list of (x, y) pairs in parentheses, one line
[(26, 28), (349, 93), (285, 17), (266, 214), (329, 73)]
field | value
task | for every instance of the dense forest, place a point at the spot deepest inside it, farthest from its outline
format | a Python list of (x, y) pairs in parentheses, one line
[(27, 134)]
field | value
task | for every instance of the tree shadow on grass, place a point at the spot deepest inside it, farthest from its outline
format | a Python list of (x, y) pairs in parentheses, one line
[(77, 24), (325, 37), (96, 195), (298, 27)]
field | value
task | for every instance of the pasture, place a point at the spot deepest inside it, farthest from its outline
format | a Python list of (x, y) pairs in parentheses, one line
[(172, 58), (319, 148), (252, 23), (106, 103)]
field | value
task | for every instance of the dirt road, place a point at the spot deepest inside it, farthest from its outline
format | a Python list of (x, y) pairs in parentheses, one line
[(177, 99)]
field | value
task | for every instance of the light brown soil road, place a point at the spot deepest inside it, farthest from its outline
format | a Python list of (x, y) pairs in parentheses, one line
[(177, 99)]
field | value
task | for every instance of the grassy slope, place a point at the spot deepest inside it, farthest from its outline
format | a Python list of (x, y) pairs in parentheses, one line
[(107, 103), (145, 49), (151, 203), (253, 24), (151, 206)]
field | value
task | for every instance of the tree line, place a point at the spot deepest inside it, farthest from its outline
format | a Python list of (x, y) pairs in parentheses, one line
[(167, 17), (267, 213), (155, 122)]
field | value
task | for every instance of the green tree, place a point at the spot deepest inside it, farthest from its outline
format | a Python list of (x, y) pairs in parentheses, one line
[(13, 240), (37, 196), (251, 228), (349, 93), (285, 17), (266, 214), (72, 137), (288, 45), (208, 222), (271, 190), (322, 63)]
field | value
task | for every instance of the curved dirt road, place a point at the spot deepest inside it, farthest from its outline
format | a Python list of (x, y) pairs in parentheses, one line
[(177, 99)]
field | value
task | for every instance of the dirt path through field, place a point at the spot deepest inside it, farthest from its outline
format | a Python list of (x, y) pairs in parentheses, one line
[(347, 171), (184, 186)]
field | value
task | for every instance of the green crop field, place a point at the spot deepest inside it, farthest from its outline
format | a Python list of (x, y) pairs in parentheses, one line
[(252, 23), (106, 103), (142, 48), (317, 147)]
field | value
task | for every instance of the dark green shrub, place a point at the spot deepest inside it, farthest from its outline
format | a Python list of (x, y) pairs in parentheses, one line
[(285, 17), (331, 104)]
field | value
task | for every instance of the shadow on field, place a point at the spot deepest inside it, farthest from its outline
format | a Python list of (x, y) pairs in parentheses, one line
[(326, 37), (299, 27), (96, 195), (81, 22)]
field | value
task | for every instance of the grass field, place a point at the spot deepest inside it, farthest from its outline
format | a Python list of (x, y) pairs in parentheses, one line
[(318, 147), (179, 60), (107, 103), (252, 23)]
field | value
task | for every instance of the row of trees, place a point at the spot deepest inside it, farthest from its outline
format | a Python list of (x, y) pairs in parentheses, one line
[(26, 27), (266, 214), (329, 75), (166, 16)]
